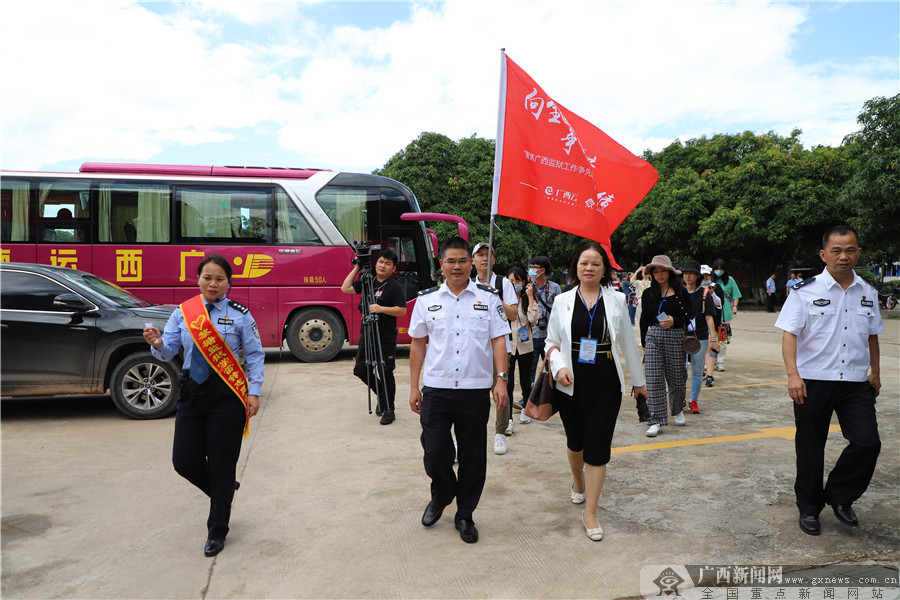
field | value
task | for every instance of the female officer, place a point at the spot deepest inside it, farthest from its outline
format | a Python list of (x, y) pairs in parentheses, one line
[(217, 399)]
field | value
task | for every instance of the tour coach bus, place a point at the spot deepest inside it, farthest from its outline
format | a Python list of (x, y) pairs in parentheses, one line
[(287, 233)]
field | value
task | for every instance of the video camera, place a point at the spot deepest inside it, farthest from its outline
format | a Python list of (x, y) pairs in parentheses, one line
[(363, 252)]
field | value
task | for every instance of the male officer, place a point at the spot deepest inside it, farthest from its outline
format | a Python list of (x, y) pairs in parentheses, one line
[(831, 324), (390, 303), (770, 293), (466, 330)]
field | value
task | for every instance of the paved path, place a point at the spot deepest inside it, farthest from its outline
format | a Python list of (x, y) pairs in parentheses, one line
[(330, 501)]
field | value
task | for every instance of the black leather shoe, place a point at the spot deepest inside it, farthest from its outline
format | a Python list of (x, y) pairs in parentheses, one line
[(213, 547), (810, 524), (378, 410), (845, 514), (467, 531), (387, 418), (432, 513)]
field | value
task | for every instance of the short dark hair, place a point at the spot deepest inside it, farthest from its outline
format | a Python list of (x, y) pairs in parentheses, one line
[(541, 261), (456, 243), (390, 255), (607, 269), (216, 259), (838, 230)]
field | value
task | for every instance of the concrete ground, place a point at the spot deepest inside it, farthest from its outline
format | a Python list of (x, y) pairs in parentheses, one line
[(331, 501)]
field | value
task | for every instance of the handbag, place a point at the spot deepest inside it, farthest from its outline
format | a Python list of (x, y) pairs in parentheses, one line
[(691, 343), (541, 403)]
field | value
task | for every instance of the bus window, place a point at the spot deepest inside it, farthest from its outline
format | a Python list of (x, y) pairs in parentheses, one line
[(354, 210), (408, 266), (14, 200), (132, 213), (223, 215), (293, 229), (64, 211)]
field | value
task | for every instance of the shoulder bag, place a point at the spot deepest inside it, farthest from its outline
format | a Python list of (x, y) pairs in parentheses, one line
[(542, 402)]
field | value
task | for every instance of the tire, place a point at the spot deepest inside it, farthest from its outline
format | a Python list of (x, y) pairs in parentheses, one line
[(315, 335), (143, 387), (890, 303)]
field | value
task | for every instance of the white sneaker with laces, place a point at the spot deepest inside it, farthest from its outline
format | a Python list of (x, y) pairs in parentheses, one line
[(511, 428), (653, 430), (523, 418), (720, 366), (499, 444), (679, 419)]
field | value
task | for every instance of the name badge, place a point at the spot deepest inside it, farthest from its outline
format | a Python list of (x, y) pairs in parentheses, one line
[(224, 321), (587, 352), (662, 317), (435, 307), (523, 333), (822, 302), (868, 303), (481, 306)]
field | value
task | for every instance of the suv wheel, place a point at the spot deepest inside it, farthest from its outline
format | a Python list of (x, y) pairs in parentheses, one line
[(143, 387)]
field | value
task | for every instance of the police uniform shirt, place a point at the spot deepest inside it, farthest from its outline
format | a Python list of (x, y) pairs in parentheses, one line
[(237, 328), (832, 326), (460, 330)]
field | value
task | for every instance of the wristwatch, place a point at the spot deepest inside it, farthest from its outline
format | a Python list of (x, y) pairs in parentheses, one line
[(503, 375)]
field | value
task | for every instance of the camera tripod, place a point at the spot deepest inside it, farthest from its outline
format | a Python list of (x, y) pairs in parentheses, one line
[(371, 336)]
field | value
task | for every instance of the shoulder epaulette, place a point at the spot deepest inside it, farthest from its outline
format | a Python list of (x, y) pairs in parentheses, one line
[(797, 286), (429, 290), (486, 288), (239, 307)]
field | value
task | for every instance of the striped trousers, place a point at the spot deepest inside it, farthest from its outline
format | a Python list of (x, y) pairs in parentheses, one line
[(664, 367)]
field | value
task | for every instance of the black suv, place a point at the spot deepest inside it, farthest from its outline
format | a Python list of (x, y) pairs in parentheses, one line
[(64, 331)]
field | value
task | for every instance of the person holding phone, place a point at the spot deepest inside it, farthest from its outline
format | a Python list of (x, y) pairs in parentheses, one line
[(665, 313)]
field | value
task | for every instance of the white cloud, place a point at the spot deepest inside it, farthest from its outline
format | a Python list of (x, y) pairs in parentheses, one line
[(120, 82)]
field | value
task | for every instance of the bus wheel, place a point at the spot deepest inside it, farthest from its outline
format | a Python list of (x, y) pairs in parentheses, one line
[(143, 387), (315, 335)]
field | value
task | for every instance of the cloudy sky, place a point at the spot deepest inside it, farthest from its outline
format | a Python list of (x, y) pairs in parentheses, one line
[(345, 85)]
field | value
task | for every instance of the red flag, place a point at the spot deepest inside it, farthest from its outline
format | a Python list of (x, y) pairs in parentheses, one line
[(555, 169)]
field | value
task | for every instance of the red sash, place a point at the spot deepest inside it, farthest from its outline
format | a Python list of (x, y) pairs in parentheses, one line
[(214, 349)]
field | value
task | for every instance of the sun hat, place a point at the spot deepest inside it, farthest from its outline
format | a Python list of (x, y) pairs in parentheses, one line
[(663, 262), (692, 266)]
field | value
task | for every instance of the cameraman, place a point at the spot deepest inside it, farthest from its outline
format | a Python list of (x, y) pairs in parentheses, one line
[(390, 303)]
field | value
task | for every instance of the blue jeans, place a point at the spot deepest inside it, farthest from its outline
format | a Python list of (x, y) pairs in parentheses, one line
[(697, 370), (538, 355), (632, 309)]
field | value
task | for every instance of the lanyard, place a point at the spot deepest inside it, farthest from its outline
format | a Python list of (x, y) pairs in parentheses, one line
[(590, 311), (663, 299)]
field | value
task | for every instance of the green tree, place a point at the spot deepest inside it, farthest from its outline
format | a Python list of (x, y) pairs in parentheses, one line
[(873, 191)]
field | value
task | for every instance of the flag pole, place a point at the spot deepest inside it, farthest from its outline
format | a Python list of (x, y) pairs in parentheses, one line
[(498, 154)]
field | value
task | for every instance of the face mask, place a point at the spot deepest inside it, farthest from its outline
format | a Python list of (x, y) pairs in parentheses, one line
[(704, 283), (517, 287), (532, 273), (719, 272)]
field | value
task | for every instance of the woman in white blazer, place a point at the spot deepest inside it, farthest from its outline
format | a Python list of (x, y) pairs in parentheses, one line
[(585, 324)]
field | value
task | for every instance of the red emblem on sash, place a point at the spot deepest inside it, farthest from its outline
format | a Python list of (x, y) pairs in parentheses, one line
[(214, 349)]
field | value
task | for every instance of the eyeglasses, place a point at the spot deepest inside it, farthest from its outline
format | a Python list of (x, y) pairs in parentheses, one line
[(453, 262)]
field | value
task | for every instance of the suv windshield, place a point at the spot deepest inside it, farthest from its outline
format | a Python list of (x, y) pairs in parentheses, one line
[(113, 293)]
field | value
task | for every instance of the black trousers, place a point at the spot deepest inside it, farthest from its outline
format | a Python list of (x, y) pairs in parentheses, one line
[(386, 389), (854, 404), (770, 302), (524, 361), (467, 412), (209, 427)]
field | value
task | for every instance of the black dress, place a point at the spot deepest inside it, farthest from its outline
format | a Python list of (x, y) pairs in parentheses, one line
[(589, 415)]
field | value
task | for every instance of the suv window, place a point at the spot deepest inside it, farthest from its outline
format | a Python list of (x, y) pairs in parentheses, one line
[(30, 291)]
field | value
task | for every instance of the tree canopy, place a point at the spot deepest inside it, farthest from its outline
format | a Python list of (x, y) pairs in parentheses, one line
[(760, 199)]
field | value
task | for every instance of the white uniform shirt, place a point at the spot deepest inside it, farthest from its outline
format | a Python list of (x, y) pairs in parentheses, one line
[(832, 326), (509, 297), (460, 330)]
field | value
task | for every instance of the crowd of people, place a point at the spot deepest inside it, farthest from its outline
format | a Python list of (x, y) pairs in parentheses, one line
[(471, 333)]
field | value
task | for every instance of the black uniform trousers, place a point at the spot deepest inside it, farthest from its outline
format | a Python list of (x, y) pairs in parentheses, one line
[(386, 389), (854, 403), (467, 411), (209, 428)]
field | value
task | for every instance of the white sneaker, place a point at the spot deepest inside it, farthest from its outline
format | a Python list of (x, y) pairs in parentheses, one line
[(523, 418), (653, 430), (511, 428), (720, 366), (499, 444), (679, 419)]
